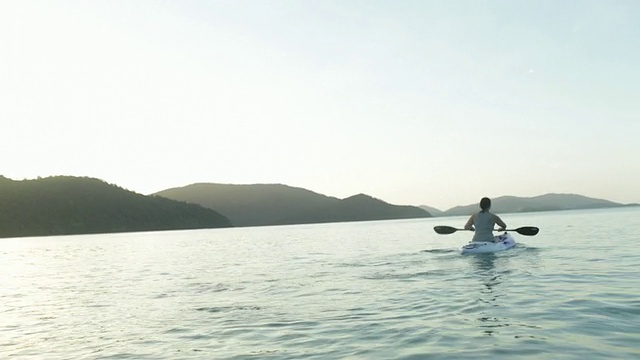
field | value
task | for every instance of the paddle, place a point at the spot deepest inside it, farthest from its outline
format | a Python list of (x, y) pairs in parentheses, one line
[(525, 230)]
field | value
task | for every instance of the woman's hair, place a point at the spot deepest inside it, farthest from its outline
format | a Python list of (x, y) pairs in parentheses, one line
[(485, 204)]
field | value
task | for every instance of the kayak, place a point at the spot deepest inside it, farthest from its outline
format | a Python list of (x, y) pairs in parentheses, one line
[(499, 243)]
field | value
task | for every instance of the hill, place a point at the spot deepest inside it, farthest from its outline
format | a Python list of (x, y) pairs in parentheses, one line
[(276, 204), (65, 205), (548, 202), (359, 207), (431, 210)]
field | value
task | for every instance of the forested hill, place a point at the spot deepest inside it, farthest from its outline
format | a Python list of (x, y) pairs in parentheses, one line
[(65, 205), (276, 204), (547, 202)]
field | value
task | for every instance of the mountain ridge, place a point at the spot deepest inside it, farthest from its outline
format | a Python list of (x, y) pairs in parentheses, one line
[(545, 202), (63, 205), (68, 205), (278, 204)]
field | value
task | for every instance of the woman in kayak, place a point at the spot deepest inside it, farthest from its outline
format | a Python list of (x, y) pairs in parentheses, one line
[(483, 222)]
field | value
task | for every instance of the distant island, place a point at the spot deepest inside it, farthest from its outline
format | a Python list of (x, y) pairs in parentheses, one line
[(65, 205), (277, 204), (547, 202)]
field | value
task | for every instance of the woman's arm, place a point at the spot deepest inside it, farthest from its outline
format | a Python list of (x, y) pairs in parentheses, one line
[(469, 224), (500, 223)]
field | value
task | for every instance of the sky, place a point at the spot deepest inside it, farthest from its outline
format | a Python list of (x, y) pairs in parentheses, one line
[(433, 103)]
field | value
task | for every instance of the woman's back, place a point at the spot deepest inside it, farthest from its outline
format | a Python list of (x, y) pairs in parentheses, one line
[(483, 225)]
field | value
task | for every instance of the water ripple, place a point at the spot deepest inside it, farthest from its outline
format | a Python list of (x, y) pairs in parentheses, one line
[(379, 290)]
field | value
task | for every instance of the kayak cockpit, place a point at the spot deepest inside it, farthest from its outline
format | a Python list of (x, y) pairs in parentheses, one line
[(500, 243)]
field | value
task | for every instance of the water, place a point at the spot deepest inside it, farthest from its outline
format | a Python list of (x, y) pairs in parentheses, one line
[(369, 290)]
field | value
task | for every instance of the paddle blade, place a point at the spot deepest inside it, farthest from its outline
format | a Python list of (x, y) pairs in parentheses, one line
[(527, 230), (444, 230)]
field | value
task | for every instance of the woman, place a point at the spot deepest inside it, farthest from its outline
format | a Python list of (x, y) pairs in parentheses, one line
[(483, 222)]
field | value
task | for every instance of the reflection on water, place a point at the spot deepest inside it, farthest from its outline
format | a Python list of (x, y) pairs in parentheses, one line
[(494, 312), (489, 293), (484, 262)]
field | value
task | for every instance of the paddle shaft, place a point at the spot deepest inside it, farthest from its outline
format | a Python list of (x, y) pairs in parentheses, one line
[(525, 230)]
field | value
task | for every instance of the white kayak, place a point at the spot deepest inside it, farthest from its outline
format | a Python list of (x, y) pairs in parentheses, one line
[(499, 243)]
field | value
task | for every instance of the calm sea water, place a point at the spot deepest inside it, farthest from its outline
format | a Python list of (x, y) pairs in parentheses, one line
[(369, 290)]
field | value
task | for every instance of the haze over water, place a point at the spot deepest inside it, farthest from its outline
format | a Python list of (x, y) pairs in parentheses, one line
[(388, 289)]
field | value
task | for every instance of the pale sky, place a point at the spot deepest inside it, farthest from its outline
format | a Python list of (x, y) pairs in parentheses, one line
[(413, 102)]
